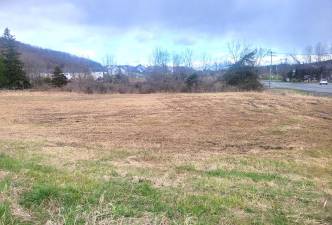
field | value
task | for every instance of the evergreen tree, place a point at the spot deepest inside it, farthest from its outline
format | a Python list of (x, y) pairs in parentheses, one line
[(243, 73), (192, 82), (59, 79), (3, 78), (14, 73)]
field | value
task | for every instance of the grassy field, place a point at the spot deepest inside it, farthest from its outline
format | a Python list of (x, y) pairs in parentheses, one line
[(229, 158)]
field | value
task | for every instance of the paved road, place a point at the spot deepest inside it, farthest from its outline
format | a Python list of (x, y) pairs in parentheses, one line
[(310, 87)]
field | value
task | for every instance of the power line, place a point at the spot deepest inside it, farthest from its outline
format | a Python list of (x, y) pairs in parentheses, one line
[(305, 54)]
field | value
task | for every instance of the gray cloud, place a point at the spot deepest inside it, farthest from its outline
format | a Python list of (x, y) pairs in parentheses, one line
[(184, 41), (296, 21), (283, 24)]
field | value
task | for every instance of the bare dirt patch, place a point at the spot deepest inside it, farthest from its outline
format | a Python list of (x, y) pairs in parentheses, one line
[(3, 174)]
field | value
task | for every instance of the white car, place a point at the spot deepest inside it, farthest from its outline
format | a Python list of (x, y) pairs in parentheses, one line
[(323, 82)]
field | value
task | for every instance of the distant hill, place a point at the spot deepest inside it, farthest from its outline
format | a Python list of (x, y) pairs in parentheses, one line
[(40, 60)]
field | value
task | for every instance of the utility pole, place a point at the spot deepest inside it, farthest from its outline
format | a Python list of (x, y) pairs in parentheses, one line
[(271, 68), (277, 74)]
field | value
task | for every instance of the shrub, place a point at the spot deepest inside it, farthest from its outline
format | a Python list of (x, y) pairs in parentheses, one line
[(59, 79), (243, 74), (245, 78), (192, 82)]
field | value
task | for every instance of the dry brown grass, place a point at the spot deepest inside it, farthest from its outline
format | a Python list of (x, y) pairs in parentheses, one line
[(161, 129), (151, 136), (164, 128), (177, 123)]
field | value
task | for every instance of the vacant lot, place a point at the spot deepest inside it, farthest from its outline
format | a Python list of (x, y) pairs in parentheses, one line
[(230, 158)]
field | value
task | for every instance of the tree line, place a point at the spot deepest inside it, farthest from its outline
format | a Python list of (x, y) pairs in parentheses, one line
[(175, 73), (169, 72), (317, 53), (181, 77)]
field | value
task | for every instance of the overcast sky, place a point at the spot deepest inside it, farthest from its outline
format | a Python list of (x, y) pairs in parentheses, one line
[(131, 29)]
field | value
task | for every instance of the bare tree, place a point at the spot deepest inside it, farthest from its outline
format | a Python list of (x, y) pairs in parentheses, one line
[(177, 60), (308, 52), (295, 58), (320, 51), (216, 66), (161, 58), (110, 63), (109, 60), (261, 53), (219, 65), (237, 50), (205, 61), (188, 58)]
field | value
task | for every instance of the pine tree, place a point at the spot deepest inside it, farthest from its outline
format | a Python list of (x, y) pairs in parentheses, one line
[(59, 79), (3, 78), (14, 72)]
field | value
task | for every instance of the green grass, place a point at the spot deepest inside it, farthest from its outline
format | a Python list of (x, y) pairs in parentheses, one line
[(242, 174), (4, 184), (6, 217), (242, 190), (9, 164)]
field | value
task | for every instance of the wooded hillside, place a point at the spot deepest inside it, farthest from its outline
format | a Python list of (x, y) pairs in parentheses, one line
[(38, 60)]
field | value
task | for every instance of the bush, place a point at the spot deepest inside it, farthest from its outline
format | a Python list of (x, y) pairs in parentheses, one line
[(192, 82), (152, 83), (58, 78), (245, 78), (243, 74)]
